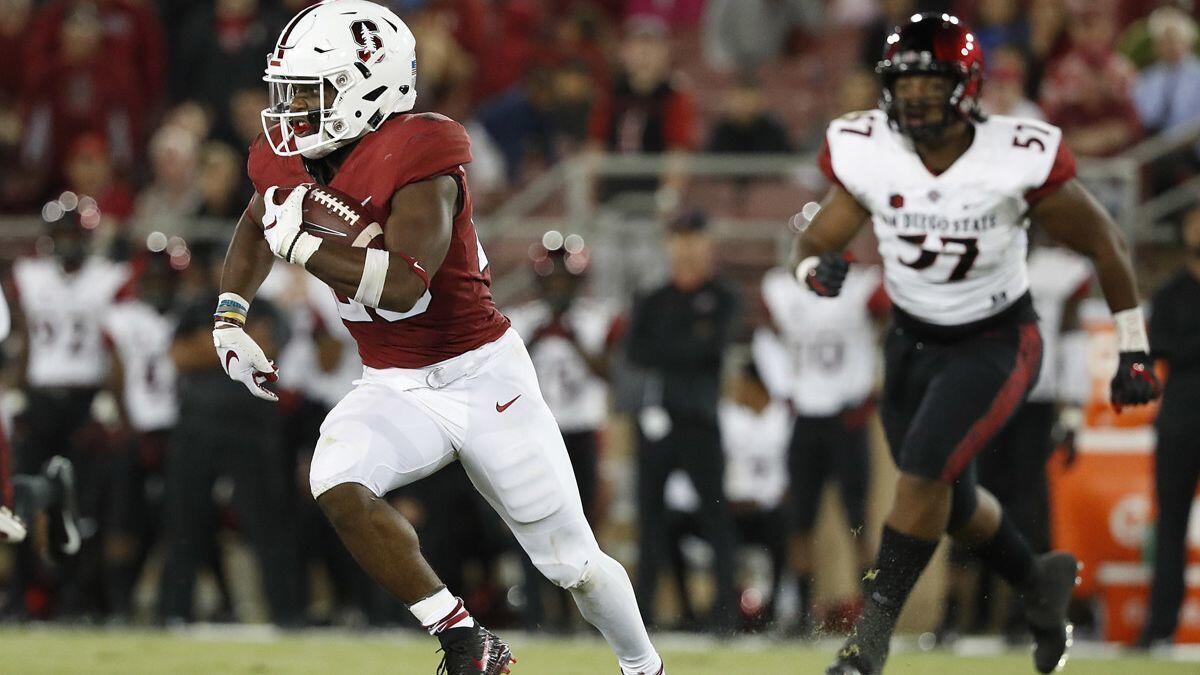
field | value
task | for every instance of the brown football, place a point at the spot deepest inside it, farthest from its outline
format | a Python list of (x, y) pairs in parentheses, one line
[(332, 214)]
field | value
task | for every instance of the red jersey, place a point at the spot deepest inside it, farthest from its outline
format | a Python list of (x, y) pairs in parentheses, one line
[(457, 314)]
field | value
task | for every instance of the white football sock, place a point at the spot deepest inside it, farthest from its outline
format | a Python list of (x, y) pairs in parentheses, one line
[(441, 611)]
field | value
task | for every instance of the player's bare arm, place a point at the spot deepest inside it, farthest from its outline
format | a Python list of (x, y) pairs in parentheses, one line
[(249, 259), (417, 237), (1072, 216), (817, 256)]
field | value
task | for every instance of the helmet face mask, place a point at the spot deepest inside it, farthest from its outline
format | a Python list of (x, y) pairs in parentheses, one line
[(923, 105), (338, 70), (932, 62), (304, 111)]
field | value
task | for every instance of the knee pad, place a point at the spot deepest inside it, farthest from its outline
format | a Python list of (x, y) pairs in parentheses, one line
[(566, 575), (567, 555)]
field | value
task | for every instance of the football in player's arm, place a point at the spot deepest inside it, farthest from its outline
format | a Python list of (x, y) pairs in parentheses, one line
[(416, 238)]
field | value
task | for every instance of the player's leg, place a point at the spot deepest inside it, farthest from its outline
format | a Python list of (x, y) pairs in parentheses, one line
[(1177, 468), (808, 467), (704, 461), (374, 441), (516, 458), (964, 393), (188, 522), (853, 461), (655, 462), (261, 500), (12, 526)]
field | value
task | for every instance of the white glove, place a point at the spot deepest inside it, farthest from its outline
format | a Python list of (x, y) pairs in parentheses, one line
[(244, 361), (281, 222), (12, 529)]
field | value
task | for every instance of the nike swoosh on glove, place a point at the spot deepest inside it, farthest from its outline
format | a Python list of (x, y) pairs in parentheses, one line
[(827, 277), (1135, 382), (281, 222), (244, 361)]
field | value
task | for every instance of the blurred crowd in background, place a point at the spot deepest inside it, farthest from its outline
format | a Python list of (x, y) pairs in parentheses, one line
[(123, 122)]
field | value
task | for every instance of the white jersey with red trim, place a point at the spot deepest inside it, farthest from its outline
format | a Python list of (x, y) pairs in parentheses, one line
[(1056, 276), (141, 338), (576, 396), (830, 342), (63, 313), (953, 244)]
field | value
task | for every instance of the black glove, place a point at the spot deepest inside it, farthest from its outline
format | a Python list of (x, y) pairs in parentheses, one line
[(827, 277), (1135, 382)]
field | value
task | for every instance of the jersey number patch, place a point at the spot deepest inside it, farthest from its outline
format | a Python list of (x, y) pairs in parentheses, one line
[(967, 249), (1030, 139)]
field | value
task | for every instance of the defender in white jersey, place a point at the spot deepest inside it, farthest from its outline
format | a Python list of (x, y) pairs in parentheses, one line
[(950, 194), (138, 332), (832, 343)]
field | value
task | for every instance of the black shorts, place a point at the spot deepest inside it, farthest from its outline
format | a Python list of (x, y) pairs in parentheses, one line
[(823, 449), (947, 396)]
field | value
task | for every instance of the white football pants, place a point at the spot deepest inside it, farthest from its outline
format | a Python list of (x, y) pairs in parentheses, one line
[(485, 409)]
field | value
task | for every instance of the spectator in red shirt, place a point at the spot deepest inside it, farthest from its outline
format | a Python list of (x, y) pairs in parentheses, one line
[(132, 42), (14, 25), (82, 92), (89, 171), (676, 14), (1088, 91), (14, 31), (513, 51), (645, 111)]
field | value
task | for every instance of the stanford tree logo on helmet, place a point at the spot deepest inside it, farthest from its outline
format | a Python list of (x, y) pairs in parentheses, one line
[(338, 71)]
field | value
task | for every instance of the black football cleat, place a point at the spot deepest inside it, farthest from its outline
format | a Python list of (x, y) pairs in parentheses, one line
[(473, 651), (64, 518), (1046, 600), (862, 654)]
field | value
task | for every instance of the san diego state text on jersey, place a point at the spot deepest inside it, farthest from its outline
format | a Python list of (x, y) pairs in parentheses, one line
[(954, 243)]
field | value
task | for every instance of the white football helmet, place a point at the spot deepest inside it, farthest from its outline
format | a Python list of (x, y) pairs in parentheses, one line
[(352, 62)]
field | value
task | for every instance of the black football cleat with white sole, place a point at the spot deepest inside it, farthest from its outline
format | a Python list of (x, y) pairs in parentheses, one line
[(64, 518), (1046, 601), (473, 650)]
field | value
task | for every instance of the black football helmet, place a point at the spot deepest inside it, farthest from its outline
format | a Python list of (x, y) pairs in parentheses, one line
[(936, 44)]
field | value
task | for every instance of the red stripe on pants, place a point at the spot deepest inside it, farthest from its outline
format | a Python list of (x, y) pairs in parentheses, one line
[(1003, 406)]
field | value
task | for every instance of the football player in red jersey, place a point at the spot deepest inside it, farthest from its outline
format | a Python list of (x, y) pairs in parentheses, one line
[(951, 194), (445, 376)]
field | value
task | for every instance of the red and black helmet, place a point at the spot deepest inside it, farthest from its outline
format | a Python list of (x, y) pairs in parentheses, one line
[(937, 44)]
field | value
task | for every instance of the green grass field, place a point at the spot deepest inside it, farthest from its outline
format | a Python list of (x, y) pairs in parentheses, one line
[(36, 652)]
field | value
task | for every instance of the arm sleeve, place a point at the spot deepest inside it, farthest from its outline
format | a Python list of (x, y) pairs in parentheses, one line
[(1061, 171)]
